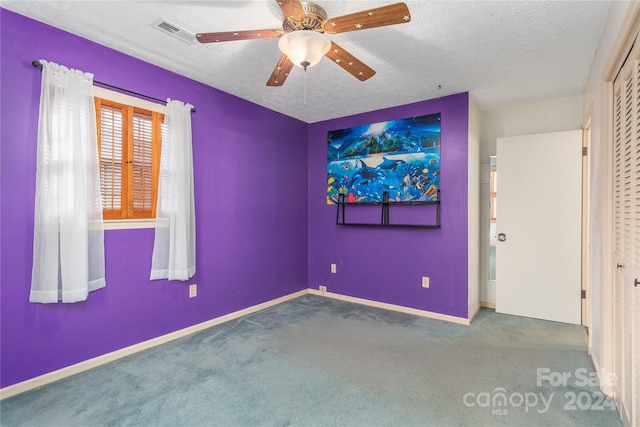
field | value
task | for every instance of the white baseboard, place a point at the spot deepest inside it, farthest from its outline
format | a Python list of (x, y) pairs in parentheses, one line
[(474, 313), (605, 379), (485, 304), (77, 368), (393, 307), (68, 371)]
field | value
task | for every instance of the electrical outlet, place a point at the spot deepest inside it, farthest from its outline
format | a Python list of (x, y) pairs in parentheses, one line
[(333, 268), (193, 290), (323, 289), (425, 282)]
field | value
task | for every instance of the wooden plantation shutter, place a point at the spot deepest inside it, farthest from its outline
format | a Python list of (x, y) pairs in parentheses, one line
[(112, 134), (129, 143), (145, 166)]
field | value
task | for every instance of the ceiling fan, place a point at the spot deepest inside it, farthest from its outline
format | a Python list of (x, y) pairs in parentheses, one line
[(304, 29)]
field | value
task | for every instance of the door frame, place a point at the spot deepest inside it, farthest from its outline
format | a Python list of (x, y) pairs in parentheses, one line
[(587, 306)]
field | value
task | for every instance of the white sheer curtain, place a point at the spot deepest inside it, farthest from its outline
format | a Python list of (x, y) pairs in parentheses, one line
[(68, 241), (174, 247)]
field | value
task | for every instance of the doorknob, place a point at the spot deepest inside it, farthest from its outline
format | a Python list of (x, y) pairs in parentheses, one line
[(619, 266), (635, 282), (502, 237)]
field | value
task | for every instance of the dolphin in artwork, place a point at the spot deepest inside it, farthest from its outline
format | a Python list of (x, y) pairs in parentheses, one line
[(365, 174), (389, 164)]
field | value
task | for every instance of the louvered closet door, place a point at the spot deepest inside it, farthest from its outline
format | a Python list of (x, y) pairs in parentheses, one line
[(626, 202)]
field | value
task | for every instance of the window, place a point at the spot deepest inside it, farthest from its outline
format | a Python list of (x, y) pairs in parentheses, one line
[(129, 144), (492, 194)]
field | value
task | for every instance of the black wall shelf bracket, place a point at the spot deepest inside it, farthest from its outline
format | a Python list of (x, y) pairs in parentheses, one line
[(385, 219)]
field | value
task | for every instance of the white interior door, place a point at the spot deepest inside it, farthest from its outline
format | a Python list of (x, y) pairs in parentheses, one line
[(539, 226)]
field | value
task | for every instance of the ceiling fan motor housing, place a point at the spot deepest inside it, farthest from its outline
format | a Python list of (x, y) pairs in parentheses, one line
[(315, 15)]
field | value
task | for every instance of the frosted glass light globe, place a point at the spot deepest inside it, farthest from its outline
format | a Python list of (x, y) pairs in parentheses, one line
[(305, 48)]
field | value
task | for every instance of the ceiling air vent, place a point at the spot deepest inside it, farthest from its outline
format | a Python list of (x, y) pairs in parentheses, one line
[(174, 30)]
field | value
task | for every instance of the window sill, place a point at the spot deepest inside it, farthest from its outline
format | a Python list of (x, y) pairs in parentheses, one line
[(127, 224)]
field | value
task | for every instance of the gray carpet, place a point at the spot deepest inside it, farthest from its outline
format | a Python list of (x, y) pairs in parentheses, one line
[(319, 362)]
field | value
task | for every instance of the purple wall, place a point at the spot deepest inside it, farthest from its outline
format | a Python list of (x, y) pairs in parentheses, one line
[(387, 265), (252, 246), (251, 241)]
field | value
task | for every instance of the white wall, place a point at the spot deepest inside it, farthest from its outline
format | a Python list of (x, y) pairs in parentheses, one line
[(475, 117), (540, 117), (594, 109)]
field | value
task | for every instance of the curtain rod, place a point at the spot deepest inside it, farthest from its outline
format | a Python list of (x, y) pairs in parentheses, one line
[(38, 64)]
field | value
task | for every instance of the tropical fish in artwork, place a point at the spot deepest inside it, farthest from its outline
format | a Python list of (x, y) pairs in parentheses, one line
[(422, 182), (407, 182), (432, 190), (389, 164), (389, 185)]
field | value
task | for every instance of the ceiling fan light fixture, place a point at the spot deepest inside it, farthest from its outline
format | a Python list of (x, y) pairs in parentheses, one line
[(304, 48)]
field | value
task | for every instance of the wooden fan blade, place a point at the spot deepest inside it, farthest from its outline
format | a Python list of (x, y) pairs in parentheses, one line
[(281, 72), (349, 62), (397, 13), (292, 9), (228, 36)]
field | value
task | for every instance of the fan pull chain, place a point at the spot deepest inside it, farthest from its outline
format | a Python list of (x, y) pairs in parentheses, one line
[(305, 86)]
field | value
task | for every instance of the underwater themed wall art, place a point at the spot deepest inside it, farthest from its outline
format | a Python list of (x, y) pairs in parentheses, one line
[(401, 157)]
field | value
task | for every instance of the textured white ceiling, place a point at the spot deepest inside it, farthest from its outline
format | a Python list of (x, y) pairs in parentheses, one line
[(502, 52)]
